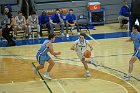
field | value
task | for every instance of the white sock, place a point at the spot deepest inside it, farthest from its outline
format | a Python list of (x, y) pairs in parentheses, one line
[(47, 73), (87, 71), (128, 74)]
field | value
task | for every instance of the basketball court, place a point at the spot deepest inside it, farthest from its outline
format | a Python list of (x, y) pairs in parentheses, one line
[(112, 54)]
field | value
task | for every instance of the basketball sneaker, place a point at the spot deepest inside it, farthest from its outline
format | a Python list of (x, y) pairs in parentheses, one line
[(47, 77), (126, 77), (62, 34), (39, 36), (88, 74), (67, 35)]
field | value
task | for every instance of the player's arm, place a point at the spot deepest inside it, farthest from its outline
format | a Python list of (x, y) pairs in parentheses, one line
[(91, 48), (37, 20), (139, 43), (130, 39), (50, 46), (12, 22), (28, 21), (24, 20), (73, 47)]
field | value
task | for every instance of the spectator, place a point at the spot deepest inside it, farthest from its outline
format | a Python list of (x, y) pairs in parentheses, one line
[(33, 23), (44, 22), (70, 21), (0, 32), (135, 12), (57, 19), (8, 24), (124, 13), (20, 24)]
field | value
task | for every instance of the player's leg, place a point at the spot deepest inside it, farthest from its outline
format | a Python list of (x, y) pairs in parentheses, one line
[(80, 55), (24, 27), (51, 64), (86, 67), (15, 31), (30, 31), (131, 62), (67, 25), (91, 61), (38, 30), (41, 60)]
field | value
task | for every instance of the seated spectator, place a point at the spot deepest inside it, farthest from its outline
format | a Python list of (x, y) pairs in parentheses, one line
[(70, 21), (2, 18), (20, 24), (0, 33), (33, 24), (124, 13), (7, 25), (44, 22), (57, 19)]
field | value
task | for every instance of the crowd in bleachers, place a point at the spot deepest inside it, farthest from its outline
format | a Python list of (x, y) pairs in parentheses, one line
[(44, 21), (60, 19)]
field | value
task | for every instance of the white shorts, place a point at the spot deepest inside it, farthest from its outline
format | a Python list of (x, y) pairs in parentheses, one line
[(80, 55)]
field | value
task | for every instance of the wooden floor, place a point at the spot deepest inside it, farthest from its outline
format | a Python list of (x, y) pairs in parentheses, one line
[(16, 75)]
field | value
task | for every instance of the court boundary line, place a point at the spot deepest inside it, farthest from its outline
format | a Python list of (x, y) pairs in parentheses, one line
[(126, 91), (43, 79), (121, 79), (57, 59), (112, 69), (63, 89)]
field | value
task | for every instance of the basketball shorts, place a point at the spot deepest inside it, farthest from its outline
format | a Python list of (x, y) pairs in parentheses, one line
[(42, 58), (137, 54), (80, 55)]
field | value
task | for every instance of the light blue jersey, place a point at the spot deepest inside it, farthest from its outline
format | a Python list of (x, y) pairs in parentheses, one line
[(136, 41), (42, 54)]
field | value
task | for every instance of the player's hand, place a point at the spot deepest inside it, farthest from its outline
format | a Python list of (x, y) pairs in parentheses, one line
[(72, 48), (55, 23), (139, 49), (129, 40), (57, 56), (59, 15), (58, 53), (9, 26), (72, 25)]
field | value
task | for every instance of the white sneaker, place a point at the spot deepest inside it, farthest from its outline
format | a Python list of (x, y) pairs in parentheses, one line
[(126, 77), (94, 63), (72, 28), (62, 34), (47, 77), (30, 37), (78, 33), (88, 74), (67, 35), (39, 36), (34, 70)]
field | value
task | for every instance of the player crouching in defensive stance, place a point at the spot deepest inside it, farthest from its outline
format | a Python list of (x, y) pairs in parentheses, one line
[(43, 56), (135, 37), (80, 46)]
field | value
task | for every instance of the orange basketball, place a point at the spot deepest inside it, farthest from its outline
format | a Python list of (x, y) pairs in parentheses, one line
[(87, 54)]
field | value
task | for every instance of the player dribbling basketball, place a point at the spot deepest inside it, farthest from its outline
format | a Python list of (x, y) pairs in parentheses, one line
[(80, 46)]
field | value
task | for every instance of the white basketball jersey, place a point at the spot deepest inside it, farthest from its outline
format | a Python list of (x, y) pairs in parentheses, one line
[(33, 20), (81, 46), (19, 21)]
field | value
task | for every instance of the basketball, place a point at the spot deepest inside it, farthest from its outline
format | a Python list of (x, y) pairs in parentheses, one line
[(87, 54)]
